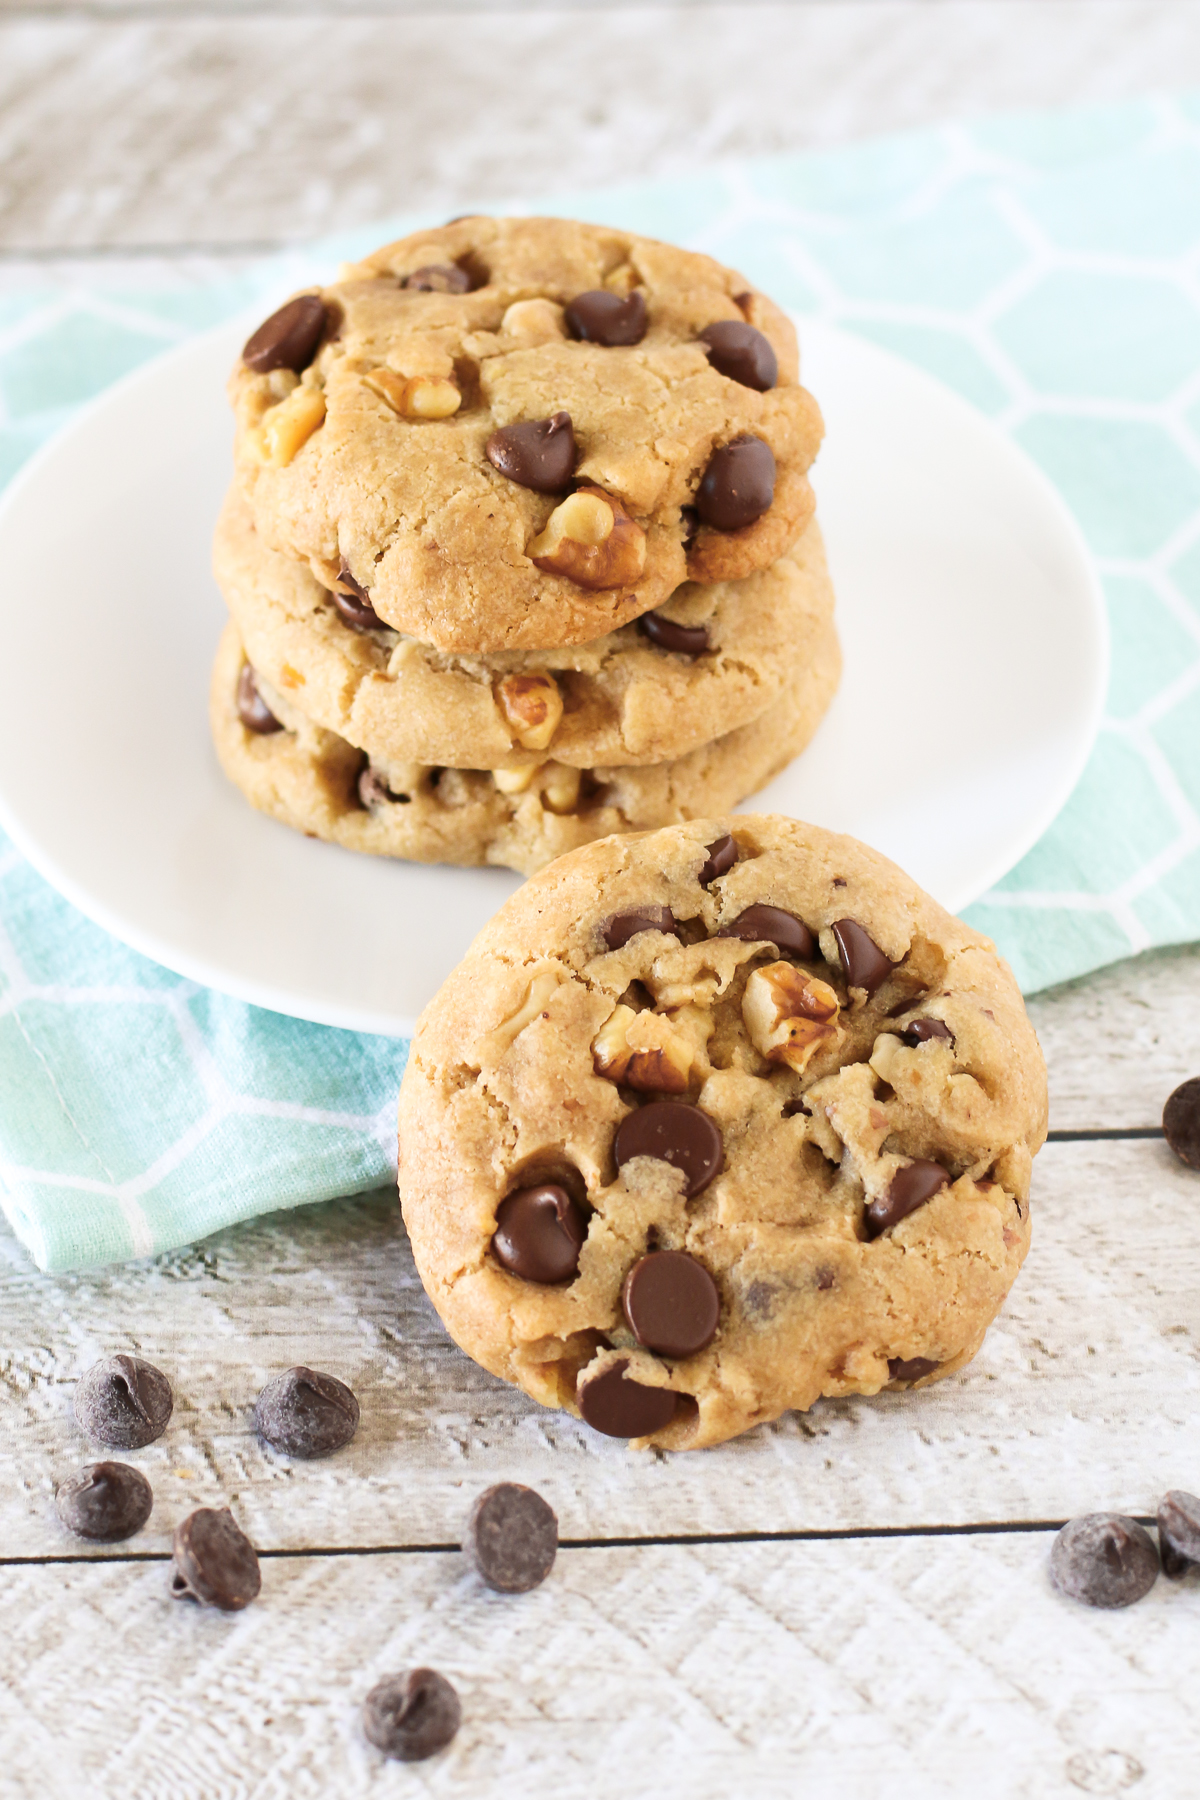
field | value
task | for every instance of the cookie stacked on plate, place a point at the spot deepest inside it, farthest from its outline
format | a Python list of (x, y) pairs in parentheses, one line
[(520, 549)]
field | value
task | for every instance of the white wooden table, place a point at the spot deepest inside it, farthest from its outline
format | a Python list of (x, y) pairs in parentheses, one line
[(850, 1603)]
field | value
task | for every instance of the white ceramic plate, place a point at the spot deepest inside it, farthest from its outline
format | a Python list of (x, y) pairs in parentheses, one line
[(973, 629)]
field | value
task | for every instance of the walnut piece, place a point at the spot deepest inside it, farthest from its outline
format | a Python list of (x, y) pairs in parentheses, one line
[(590, 539), (537, 996), (644, 1051), (514, 781), (560, 790), (533, 707), (533, 322), (788, 1014), (415, 396), (287, 427)]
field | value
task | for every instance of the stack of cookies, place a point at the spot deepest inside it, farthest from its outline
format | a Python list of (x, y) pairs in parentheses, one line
[(520, 550)]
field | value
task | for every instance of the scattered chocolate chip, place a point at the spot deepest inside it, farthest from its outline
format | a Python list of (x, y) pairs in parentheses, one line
[(1181, 1122), (1104, 1559), (374, 791), (921, 1031), (741, 353), (412, 1716), (289, 338), (621, 1408), (438, 278), (306, 1414), (1178, 1532), (667, 634), (618, 930), (911, 1186), (738, 485), (538, 453), (863, 962), (124, 1402), (215, 1562), (252, 709), (721, 857), (910, 1368), (539, 1234), (511, 1538), (599, 317), (355, 607), (671, 1303), (677, 1133), (772, 925), (104, 1501)]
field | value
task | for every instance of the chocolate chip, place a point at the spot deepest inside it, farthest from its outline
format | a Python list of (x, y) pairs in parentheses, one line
[(677, 1133), (252, 709), (104, 1501), (539, 1234), (863, 962), (374, 791), (922, 1031), (412, 1716), (289, 338), (910, 1368), (355, 607), (1178, 1532), (671, 1303), (911, 1186), (721, 857), (741, 353), (621, 1408), (599, 317), (306, 1414), (124, 1402), (1181, 1122), (538, 454), (215, 1563), (666, 634), (738, 485), (772, 925), (618, 930), (438, 278), (511, 1538), (1104, 1559)]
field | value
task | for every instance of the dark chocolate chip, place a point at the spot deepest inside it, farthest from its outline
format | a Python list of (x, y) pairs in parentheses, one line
[(539, 1234), (667, 634), (306, 1414), (412, 1716), (599, 317), (355, 607), (511, 1538), (438, 278), (252, 709), (910, 1368), (538, 453), (742, 353), (671, 1303), (621, 1408), (1104, 1559), (677, 1133), (921, 1031), (374, 791), (863, 962), (124, 1402), (738, 485), (215, 1562), (772, 925), (1178, 1532), (911, 1186), (1181, 1122), (721, 857), (289, 338), (618, 930), (104, 1501)]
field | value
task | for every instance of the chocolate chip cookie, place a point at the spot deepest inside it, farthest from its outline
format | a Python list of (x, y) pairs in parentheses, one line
[(516, 433), (716, 1120)]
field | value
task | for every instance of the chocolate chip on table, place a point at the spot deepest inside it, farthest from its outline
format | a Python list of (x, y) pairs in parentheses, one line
[(511, 1538), (667, 634), (539, 1234), (1181, 1122), (671, 1303), (721, 857), (124, 1402), (105, 1501), (922, 1031), (1178, 1532), (537, 454), (1104, 1559), (438, 278), (412, 1716), (289, 338), (677, 1133), (910, 1368), (600, 317), (306, 1414), (215, 1562), (252, 709), (863, 962), (911, 1186), (738, 485), (618, 930), (355, 607), (742, 353), (621, 1408), (772, 925)]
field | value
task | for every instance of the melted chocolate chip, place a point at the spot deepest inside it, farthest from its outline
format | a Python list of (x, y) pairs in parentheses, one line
[(252, 709), (910, 1368), (676, 1133), (539, 1234), (1178, 1532), (667, 634), (306, 1414), (1104, 1559), (772, 925), (671, 1303), (1181, 1122), (511, 1538), (738, 485), (622, 1408), (538, 454), (742, 353), (289, 338), (438, 278), (354, 608), (863, 962), (124, 1402), (911, 1186), (721, 857), (922, 1031), (618, 930), (104, 1501), (413, 1715), (599, 317), (215, 1562)]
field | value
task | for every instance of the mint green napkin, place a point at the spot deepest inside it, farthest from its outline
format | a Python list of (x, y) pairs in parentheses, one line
[(1045, 267)]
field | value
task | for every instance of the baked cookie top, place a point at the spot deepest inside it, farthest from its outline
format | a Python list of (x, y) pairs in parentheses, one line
[(514, 433), (713, 657), (715, 1120)]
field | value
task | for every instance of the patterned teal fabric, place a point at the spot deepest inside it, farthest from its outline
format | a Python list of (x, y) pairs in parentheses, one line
[(1044, 266)]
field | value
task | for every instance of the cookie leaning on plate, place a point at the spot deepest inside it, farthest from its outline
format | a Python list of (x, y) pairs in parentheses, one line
[(716, 1120)]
